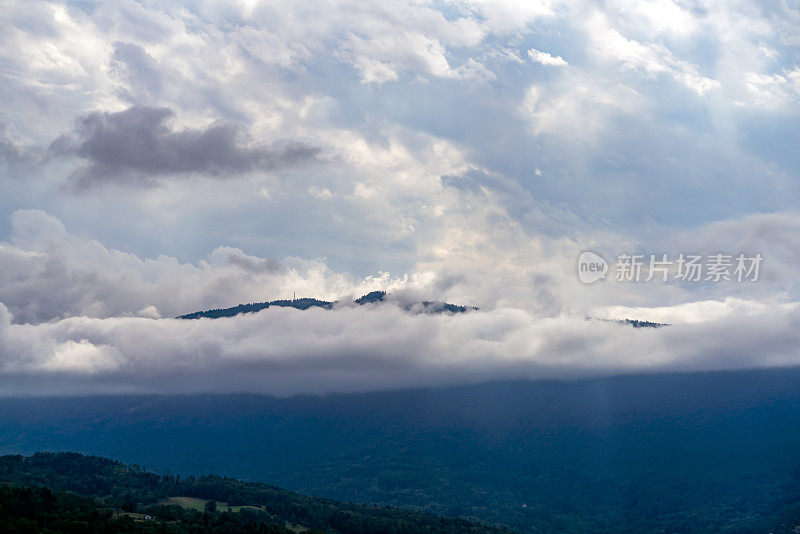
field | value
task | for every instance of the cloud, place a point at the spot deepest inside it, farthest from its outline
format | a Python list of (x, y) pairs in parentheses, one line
[(578, 108), (652, 58), (546, 59), (480, 257), (138, 72), (775, 90), (14, 154), (78, 317), (285, 351), (363, 71), (666, 132), (697, 312), (137, 146), (48, 274)]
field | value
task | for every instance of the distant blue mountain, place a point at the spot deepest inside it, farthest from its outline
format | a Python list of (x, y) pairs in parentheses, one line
[(306, 303), (669, 453)]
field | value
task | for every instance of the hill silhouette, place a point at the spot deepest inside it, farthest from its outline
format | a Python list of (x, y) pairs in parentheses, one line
[(374, 297)]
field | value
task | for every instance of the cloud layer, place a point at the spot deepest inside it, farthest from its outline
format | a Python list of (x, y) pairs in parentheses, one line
[(285, 351), (77, 317), (163, 157)]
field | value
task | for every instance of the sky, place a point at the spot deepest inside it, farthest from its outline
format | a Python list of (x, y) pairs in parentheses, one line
[(159, 158)]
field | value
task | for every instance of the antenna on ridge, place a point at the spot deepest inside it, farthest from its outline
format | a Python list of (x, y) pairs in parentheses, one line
[(294, 296)]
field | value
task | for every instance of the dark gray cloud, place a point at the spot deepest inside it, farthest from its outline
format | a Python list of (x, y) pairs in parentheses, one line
[(255, 265), (137, 146)]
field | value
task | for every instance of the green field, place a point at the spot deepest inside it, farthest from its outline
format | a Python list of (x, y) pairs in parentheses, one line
[(193, 503)]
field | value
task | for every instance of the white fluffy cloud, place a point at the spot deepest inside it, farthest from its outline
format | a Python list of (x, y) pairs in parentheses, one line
[(775, 90), (698, 312), (546, 59), (650, 58)]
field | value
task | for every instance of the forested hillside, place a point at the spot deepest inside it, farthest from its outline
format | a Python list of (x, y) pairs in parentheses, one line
[(703, 452), (108, 496)]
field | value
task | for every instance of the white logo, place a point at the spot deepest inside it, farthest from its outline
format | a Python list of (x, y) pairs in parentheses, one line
[(591, 267)]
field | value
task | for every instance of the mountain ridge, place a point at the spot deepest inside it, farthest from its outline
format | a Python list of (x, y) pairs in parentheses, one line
[(304, 303)]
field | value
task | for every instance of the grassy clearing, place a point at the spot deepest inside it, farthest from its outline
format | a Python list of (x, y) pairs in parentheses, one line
[(191, 503), (194, 503)]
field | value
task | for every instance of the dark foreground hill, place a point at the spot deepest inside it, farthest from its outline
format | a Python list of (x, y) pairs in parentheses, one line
[(67, 492), (710, 452)]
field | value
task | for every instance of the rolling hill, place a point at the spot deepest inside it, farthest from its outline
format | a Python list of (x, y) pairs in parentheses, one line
[(67, 492)]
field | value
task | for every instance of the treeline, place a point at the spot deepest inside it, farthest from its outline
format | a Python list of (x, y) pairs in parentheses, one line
[(642, 324), (300, 304), (112, 495)]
